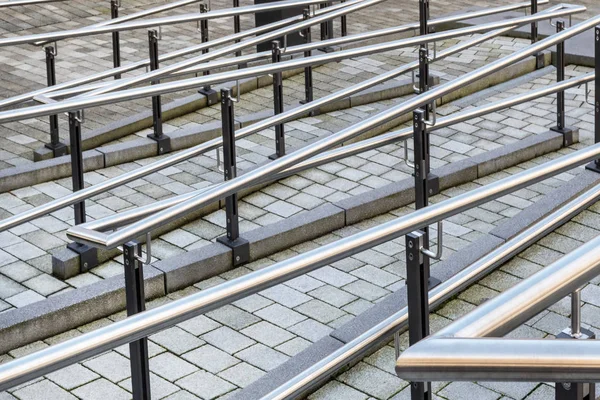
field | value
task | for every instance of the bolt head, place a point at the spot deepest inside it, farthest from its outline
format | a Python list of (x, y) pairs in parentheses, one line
[(85, 265), (237, 258), (410, 257)]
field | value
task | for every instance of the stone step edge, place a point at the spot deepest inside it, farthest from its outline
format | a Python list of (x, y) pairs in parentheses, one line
[(443, 270), (74, 308), (119, 153)]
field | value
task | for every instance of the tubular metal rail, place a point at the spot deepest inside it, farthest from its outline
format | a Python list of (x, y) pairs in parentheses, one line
[(14, 3), (112, 183), (53, 91), (142, 324), (102, 240)]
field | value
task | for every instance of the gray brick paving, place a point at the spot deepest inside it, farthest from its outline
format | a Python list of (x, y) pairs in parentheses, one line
[(243, 341)]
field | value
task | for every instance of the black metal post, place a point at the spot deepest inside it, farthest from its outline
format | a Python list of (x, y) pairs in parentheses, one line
[(58, 148), (278, 102), (116, 42), (136, 303), (88, 256), (560, 96), (344, 21), (237, 27), (308, 79), (539, 57), (326, 30), (163, 141), (240, 246), (417, 275), (211, 95), (595, 165)]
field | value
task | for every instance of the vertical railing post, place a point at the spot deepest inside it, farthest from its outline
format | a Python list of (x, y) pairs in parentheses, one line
[(163, 142), (595, 165), (417, 261), (237, 27), (136, 303), (575, 390), (58, 148), (278, 102), (240, 246), (539, 57), (326, 31), (308, 78), (418, 302), (116, 41), (560, 96), (88, 256), (211, 94), (344, 23)]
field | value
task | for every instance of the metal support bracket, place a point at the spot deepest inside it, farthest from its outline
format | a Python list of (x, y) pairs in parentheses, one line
[(88, 256), (212, 97), (595, 165), (574, 390), (58, 148), (308, 77), (116, 42), (278, 102), (163, 142)]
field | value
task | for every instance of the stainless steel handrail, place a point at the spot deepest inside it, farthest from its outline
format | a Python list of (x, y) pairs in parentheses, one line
[(139, 14), (233, 186), (15, 3), (256, 31), (380, 333), (162, 317), (127, 217), (215, 143), (472, 358), (148, 23), (79, 103)]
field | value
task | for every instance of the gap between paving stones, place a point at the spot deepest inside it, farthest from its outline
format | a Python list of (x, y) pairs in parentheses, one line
[(80, 306), (60, 167), (443, 270)]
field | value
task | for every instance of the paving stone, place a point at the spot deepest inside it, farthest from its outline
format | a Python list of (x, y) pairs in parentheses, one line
[(371, 380), (285, 295), (171, 367), (210, 358), (111, 366), (461, 390), (43, 389), (205, 385), (101, 389), (335, 390), (228, 340), (242, 374), (176, 340), (233, 317), (72, 376), (262, 357), (267, 334), (280, 316), (159, 387)]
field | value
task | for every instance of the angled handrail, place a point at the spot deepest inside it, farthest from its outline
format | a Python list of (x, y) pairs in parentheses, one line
[(232, 186), (293, 49), (215, 143), (148, 23), (14, 3), (380, 333), (79, 103), (460, 352), (151, 321), (126, 217)]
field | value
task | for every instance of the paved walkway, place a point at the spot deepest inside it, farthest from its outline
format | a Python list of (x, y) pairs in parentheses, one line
[(212, 356)]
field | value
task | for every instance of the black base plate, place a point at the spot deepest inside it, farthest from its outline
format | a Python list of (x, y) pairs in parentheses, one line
[(212, 97), (567, 134), (88, 256), (163, 143), (58, 149), (240, 247)]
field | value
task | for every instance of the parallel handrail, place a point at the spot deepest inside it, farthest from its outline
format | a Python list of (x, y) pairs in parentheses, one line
[(14, 3), (215, 143), (457, 352), (76, 104), (359, 347), (148, 322), (51, 91), (148, 23), (129, 216), (113, 240)]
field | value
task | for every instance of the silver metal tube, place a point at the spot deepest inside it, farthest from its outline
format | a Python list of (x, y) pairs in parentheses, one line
[(162, 317), (15, 3), (344, 8), (141, 64), (491, 359), (232, 186), (127, 217), (140, 14), (256, 31), (576, 313), (86, 193), (379, 334), (170, 87), (171, 20)]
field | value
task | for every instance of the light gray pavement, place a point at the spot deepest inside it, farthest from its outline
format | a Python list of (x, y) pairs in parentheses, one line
[(244, 341)]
